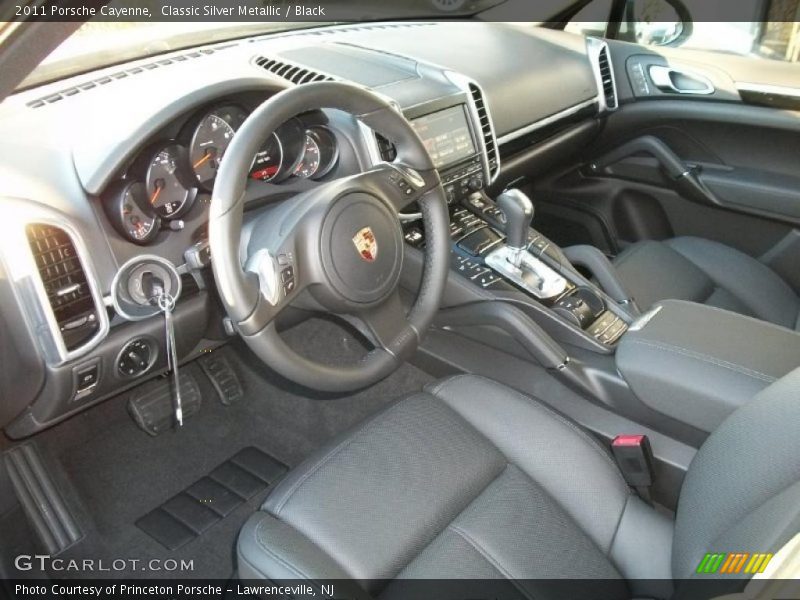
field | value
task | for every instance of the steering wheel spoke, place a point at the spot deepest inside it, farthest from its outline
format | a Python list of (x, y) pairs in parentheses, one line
[(401, 184), (281, 278), (387, 327)]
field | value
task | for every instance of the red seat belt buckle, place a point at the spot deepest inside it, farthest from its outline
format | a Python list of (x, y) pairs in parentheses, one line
[(635, 459)]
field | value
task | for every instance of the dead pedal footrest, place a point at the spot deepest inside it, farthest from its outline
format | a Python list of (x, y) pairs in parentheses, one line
[(152, 408), (41, 500), (210, 499), (222, 376)]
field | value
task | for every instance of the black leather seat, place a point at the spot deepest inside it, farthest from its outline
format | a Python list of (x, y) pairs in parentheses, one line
[(699, 270), (470, 479)]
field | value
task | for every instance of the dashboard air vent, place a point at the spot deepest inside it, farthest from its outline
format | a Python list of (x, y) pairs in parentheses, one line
[(64, 282), (607, 79), (489, 140), (386, 148), (290, 72), (600, 58)]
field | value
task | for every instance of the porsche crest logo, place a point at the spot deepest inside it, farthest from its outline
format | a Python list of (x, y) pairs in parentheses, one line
[(365, 243)]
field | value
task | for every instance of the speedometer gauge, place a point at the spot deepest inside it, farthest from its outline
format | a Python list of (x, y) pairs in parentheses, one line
[(211, 139), (131, 213), (169, 189)]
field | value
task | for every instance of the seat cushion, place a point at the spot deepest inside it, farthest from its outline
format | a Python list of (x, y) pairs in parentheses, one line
[(699, 270), (468, 479)]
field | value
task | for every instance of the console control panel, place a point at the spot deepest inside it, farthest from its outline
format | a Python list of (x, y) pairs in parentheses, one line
[(475, 232), (463, 180)]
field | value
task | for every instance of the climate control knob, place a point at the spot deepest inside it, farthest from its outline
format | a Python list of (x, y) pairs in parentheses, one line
[(475, 184)]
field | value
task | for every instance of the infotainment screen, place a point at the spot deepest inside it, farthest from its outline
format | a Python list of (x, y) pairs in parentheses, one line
[(446, 135)]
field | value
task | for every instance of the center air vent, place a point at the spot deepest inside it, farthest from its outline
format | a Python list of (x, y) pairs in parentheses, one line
[(604, 73), (290, 72), (65, 283), (489, 141)]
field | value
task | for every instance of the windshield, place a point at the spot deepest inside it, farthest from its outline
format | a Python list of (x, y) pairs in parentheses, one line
[(100, 44), (103, 41)]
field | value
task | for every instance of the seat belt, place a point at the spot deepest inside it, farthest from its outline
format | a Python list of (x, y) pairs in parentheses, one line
[(634, 458)]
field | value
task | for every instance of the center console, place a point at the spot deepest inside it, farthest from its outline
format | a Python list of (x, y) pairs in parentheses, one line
[(532, 269), (698, 364)]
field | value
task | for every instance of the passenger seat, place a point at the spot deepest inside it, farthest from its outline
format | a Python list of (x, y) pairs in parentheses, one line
[(699, 270)]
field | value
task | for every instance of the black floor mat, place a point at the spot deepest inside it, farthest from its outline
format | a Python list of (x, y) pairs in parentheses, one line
[(113, 472), (212, 498)]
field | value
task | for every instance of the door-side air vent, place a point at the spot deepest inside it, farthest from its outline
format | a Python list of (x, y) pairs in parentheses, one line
[(609, 93), (65, 283), (293, 73), (487, 130), (604, 73)]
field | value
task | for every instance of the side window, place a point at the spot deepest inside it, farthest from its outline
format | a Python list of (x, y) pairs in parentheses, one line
[(592, 19), (660, 23)]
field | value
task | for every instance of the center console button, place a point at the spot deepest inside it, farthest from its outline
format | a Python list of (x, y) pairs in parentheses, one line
[(479, 241)]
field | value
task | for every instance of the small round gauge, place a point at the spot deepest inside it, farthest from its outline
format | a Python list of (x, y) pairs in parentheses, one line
[(131, 213), (321, 154), (169, 188), (268, 160), (309, 166), (211, 139)]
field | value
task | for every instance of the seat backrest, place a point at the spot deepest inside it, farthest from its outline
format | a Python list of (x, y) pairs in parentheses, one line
[(742, 491)]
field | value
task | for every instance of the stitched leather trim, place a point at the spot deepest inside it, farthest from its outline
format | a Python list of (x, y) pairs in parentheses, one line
[(706, 358)]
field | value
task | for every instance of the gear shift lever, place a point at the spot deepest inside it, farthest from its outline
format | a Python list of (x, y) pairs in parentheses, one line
[(518, 211), (513, 259)]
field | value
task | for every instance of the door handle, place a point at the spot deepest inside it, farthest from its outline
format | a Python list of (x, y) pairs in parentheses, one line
[(680, 81)]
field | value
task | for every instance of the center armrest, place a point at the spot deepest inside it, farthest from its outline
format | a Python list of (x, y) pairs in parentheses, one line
[(698, 364)]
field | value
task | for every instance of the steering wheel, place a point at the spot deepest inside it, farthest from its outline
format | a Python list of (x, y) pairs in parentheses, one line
[(338, 247)]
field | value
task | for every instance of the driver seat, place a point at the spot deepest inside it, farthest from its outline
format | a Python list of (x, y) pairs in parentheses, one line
[(472, 480)]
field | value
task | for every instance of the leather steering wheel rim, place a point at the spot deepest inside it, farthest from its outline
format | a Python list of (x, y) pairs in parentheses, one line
[(373, 198)]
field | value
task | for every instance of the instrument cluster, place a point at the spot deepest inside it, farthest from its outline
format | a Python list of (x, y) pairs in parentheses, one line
[(164, 181)]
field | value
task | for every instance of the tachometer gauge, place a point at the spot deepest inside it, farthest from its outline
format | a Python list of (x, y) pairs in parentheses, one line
[(169, 188), (131, 213), (321, 153), (309, 166), (211, 139), (268, 161)]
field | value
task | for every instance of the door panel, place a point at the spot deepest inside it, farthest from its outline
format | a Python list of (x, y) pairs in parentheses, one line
[(747, 159)]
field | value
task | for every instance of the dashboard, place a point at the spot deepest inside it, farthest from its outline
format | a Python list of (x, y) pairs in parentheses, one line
[(132, 152)]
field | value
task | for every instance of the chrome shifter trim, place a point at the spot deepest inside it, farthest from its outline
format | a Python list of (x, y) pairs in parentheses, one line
[(527, 271)]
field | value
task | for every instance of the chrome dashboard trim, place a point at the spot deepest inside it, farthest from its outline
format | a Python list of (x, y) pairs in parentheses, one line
[(27, 285), (463, 82), (763, 88), (546, 121)]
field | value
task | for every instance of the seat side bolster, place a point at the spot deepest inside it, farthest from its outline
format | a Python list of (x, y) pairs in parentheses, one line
[(653, 271), (642, 549), (546, 447), (751, 282), (270, 549)]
